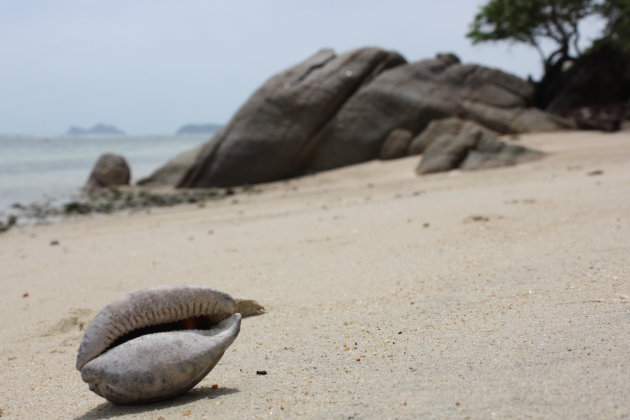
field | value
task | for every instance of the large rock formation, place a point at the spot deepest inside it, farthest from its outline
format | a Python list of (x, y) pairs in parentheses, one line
[(411, 96), (173, 171), (110, 170), (336, 110), (272, 136)]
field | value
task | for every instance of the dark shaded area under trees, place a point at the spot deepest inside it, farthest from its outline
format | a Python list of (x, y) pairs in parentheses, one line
[(590, 86)]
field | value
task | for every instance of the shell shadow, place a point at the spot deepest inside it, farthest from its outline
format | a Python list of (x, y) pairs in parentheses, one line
[(108, 410)]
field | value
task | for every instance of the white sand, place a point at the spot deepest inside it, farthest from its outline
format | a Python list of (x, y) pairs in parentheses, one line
[(493, 294)]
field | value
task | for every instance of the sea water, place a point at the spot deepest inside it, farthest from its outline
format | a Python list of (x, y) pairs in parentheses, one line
[(37, 169)]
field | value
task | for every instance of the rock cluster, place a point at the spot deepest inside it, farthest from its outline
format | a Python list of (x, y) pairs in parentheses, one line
[(335, 110), (455, 143)]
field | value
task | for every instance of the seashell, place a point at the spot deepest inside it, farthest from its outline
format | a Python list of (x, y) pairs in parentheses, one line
[(156, 343)]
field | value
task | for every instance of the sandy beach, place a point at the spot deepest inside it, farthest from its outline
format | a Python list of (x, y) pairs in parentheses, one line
[(501, 293)]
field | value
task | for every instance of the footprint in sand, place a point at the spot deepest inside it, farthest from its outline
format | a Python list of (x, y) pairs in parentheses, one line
[(74, 322)]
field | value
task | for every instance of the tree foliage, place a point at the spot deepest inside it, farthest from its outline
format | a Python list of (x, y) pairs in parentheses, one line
[(617, 30), (535, 21)]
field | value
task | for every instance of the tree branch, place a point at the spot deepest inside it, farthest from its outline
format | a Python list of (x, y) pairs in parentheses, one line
[(536, 45)]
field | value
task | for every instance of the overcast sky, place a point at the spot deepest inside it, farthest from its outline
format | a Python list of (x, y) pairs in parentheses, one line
[(150, 66)]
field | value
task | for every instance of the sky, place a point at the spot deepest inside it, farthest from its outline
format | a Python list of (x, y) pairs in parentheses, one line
[(150, 66)]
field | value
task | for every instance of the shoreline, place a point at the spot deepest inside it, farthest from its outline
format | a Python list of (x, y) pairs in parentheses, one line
[(111, 200), (38, 170), (501, 292)]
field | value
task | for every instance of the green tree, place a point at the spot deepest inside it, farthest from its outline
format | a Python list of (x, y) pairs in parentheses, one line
[(533, 22), (617, 31), (556, 23)]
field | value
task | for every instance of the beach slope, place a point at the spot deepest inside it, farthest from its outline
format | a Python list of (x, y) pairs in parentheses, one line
[(492, 294)]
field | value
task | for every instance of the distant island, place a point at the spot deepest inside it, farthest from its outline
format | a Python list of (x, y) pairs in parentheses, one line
[(199, 129), (97, 129)]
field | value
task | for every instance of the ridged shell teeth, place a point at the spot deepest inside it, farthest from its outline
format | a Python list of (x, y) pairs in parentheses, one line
[(148, 307)]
